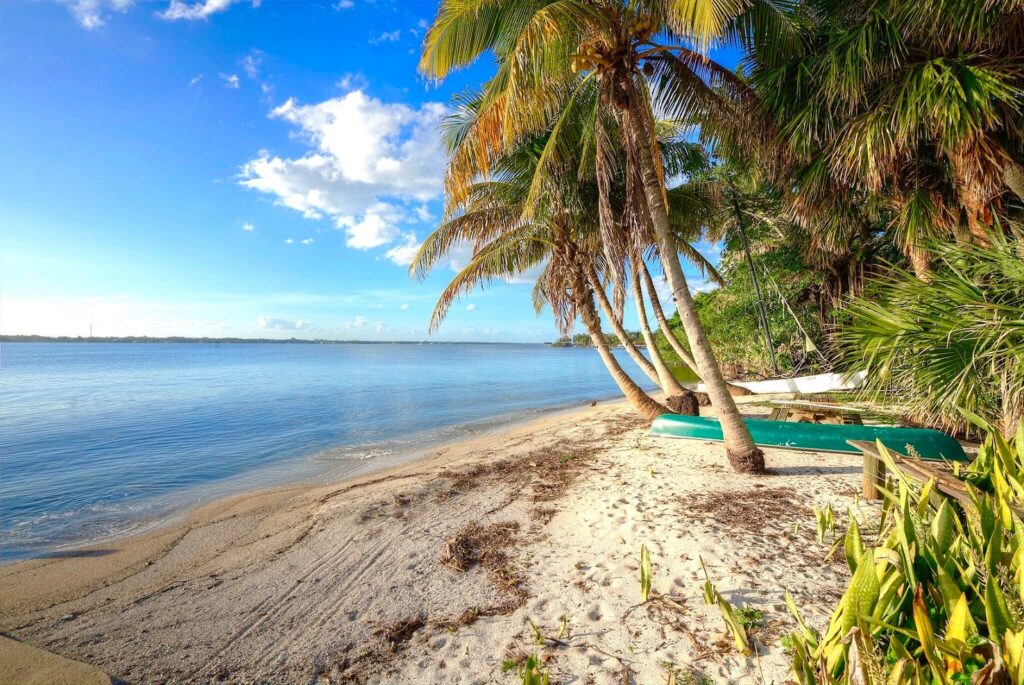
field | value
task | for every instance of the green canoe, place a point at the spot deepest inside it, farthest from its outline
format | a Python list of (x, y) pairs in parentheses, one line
[(819, 437)]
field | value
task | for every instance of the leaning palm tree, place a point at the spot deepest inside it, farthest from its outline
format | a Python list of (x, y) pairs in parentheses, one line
[(506, 243), (589, 72)]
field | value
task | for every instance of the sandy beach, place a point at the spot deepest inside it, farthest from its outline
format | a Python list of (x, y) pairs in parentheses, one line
[(433, 571)]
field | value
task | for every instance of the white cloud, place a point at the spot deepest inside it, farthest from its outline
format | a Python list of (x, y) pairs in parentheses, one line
[(404, 307), (195, 80), (248, 227), (230, 80), (403, 254), (351, 81), (344, 4), (379, 327), (664, 292), (470, 307), (91, 14), (357, 322), (367, 161), (288, 241), (281, 324), (423, 213), (377, 227), (202, 9), (386, 37), (307, 241), (251, 63)]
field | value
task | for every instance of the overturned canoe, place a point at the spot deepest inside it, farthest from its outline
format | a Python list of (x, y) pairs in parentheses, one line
[(817, 437)]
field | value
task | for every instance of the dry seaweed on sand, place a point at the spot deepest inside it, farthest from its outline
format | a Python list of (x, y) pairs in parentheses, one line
[(486, 546), (753, 511)]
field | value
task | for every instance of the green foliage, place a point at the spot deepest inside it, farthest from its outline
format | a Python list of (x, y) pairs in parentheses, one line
[(645, 573), (535, 631), (533, 673), (947, 345), (730, 313), (733, 622), (826, 521), (940, 598)]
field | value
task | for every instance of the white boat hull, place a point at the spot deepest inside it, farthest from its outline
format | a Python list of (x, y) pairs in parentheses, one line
[(808, 385)]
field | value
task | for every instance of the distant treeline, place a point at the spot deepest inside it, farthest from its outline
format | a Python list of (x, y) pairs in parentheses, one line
[(584, 340), (182, 339)]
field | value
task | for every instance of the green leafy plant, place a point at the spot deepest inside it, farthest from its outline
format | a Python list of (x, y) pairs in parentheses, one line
[(535, 631), (533, 673), (645, 573), (954, 342), (733, 623), (826, 521), (940, 597)]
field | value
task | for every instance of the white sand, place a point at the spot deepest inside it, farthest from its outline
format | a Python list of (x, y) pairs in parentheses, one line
[(303, 585)]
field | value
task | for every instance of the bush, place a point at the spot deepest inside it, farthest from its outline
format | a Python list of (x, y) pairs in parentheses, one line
[(940, 597)]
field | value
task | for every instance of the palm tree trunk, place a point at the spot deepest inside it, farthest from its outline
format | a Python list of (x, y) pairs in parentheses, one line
[(740, 449), (659, 315), (640, 400), (602, 297), (920, 262), (667, 381)]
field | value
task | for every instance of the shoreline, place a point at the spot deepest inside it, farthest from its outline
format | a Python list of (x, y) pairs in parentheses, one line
[(175, 508), (429, 571)]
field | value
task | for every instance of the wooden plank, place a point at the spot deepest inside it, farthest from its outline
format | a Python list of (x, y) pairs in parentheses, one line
[(921, 471), (874, 475)]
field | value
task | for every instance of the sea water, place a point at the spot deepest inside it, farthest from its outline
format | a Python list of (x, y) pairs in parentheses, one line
[(105, 439)]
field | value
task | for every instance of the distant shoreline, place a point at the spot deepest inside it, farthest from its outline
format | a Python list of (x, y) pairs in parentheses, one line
[(277, 341)]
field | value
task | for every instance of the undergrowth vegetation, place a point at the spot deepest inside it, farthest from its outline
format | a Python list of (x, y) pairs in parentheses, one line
[(939, 596)]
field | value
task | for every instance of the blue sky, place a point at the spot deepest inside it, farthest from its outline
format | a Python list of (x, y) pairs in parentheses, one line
[(215, 168)]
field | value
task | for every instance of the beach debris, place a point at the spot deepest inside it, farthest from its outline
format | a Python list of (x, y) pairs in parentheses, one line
[(399, 632)]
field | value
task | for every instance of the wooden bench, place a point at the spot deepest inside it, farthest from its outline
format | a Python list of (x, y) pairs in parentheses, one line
[(814, 412), (918, 469)]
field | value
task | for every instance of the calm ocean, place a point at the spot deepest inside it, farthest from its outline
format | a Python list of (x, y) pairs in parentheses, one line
[(98, 440)]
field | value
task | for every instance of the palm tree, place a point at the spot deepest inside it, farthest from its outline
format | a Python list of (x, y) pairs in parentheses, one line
[(899, 113), (588, 72), (954, 344), (506, 244)]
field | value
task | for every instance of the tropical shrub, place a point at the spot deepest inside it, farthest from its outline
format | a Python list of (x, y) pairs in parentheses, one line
[(939, 598), (791, 290), (950, 343)]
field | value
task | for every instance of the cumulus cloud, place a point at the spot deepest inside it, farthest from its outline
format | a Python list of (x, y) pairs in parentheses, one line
[(202, 9), (307, 241), (288, 241), (357, 322), (379, 327), (230, 81), (92, 14), (404, 307), (403, 254), (470, 307), (368, 162), (344, 5), (281, 324), (351, 81), (248, 227), (377, 227)]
